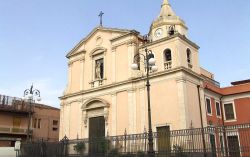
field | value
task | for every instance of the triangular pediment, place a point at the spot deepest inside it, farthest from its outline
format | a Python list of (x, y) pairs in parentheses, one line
[(75, 51)]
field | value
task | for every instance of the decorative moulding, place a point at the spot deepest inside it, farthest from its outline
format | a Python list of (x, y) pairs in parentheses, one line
[(85, 104), (97, 50), (75, 53)]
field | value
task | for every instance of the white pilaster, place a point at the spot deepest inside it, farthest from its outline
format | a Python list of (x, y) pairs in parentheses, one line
[(66, 119), (143, 109), (114, 114), (113, 64), (82, 74), (69, 76), (61, 121), (134, 112), (69, 119), (79, 120), (131, 112), (203, 107), (176, 56), (131, 53), (84, 124), (182, 101)]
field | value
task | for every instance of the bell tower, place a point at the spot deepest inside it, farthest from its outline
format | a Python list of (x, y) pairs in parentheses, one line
[(167, 23)]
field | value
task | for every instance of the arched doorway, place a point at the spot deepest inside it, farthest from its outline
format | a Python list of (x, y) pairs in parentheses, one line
[(95, 114)]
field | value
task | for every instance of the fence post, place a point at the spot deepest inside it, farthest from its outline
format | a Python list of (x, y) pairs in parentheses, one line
[(202, 127), (65, 141), (125, 140), (223, 128), (145, 140), (43, 148), (107, 143)]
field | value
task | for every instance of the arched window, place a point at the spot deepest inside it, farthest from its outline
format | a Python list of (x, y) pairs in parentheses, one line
[(167, 59), (167, 55), (188, 56)]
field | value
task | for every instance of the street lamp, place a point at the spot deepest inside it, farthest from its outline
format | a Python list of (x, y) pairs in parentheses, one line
[(30, 94), (149, 63)]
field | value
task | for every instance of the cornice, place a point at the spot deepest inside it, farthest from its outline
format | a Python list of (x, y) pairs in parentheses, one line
[(127, 42), (133, 80), (70, 62), (160, 23), (170, 38), (132, 32), (131, 43), (76, 53)]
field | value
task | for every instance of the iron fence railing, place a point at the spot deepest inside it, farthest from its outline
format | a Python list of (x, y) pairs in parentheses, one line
[(228, 141), (14, 104)]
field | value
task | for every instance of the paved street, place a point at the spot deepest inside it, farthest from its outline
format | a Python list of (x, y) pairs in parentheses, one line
[(7, 152)]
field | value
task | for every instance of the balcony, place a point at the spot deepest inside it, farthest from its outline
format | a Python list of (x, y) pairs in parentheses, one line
[(11, 130), (14, 105), (97, 82), (167, 65)]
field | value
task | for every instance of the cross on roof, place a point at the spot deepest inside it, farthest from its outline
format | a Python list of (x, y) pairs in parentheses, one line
[(100, 15)]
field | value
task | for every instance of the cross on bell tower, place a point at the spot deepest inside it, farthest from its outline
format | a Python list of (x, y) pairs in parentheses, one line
[(100, 15)]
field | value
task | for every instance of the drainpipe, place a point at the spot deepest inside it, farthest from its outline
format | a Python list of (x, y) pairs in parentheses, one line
[(223, 127), (202, 127)]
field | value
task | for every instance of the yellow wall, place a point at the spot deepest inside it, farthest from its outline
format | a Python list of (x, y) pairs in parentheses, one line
[(122, 112)]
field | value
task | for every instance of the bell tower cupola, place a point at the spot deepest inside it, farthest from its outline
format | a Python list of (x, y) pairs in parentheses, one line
[(167, 23)]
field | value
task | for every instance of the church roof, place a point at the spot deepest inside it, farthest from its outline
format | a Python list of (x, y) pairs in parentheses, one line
[(166, 10), (93, 32), (167, 15)]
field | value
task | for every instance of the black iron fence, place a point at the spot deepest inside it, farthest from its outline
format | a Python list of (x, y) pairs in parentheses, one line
[(228, 141)]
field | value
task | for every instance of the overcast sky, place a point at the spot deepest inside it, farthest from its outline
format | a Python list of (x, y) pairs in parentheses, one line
[(35, 36)]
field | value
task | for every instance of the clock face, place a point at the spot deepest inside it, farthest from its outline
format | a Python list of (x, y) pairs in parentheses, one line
[(158, 32)]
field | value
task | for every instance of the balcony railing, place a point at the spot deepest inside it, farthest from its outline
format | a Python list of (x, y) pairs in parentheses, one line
[(168, 65), (97, 82), (12, 130), (13, 104)]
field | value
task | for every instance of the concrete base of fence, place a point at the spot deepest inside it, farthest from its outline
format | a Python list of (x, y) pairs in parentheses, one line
[(7, 152)]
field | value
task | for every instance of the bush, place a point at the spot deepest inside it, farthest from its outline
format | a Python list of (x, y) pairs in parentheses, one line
[(113, 153), (140, 154), (179, 151), (79, 147)]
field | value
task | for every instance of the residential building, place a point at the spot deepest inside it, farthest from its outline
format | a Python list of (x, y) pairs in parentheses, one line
[(14, 119), (230, 105)]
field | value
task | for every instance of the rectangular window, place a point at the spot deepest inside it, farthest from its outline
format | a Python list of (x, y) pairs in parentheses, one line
[(55, 129), (208, 104), (39, 124), (55, 122), (99, 68), (229, 111), (217, 108), (16, 122), (34, 123)]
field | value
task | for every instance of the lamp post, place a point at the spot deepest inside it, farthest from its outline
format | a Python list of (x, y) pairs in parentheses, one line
[(29, 95), (149, 63)]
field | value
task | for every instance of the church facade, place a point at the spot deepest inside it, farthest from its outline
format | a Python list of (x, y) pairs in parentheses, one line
[(105, 96)]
